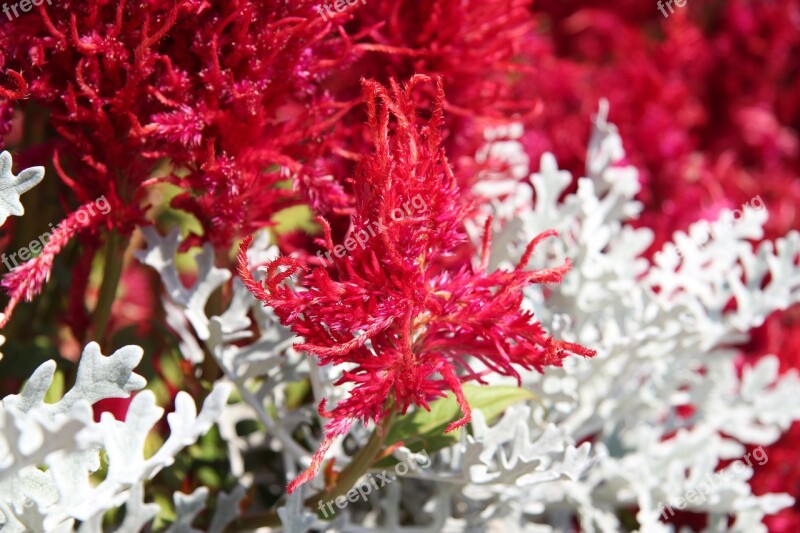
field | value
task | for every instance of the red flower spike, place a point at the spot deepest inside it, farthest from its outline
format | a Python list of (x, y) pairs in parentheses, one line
[(25, 281), (405, 304)]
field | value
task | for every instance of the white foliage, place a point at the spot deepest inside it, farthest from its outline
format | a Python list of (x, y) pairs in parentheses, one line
[(160, 255), (188, 506), (11, 186), (260, 366), (294, 516), (659, 331), (64, 437)]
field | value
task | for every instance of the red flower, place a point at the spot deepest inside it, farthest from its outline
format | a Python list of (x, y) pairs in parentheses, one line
[(706, 101), (25, 281), (239, 97), (205, 85), (405, 305), (473, 45)]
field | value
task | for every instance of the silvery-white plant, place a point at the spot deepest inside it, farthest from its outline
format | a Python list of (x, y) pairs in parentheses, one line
[(48, 451), (663, 332)]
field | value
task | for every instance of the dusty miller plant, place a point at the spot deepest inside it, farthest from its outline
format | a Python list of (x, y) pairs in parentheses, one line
[(49, 451), (665, 334)]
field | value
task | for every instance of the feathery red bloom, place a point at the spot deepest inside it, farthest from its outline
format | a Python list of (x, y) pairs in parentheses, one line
[(473, 45), (223, 90), (405, 305), (706, 101), (25, 281), (239, 97)]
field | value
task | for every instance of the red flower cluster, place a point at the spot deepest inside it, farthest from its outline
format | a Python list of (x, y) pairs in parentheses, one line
[(408, 309), (706, 101), (222, 97), (237, 96), (128, 87)]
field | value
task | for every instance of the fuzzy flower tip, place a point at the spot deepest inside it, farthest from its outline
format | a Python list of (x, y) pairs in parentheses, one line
[(404, 303)]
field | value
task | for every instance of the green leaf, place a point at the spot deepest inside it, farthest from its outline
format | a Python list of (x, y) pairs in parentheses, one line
[(296, 393), (209, 447), (294, 218), (166, 514), (171, 370), (423, 429), (56, 390), (208, 477)]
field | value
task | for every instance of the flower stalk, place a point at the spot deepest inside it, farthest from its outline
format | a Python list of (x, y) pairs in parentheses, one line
[(112, 273), (346, 480)]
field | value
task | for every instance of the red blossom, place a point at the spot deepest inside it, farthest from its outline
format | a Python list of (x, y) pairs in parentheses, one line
[(706, 101), (25, 281), (227, 92), (473, 45), (239, 97), (403, 305)]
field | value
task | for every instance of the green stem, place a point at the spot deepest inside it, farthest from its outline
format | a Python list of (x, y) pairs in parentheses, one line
[(254, 521), (348, 477), (112, 272), (358, 466)]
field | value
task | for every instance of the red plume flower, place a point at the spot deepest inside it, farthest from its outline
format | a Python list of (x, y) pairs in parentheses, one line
[(25, 281), (402, 301)]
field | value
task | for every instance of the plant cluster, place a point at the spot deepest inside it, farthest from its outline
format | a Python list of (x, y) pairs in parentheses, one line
[(466, 233)]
